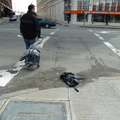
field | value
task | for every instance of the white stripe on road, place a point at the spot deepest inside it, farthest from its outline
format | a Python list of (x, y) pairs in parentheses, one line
[(7, 75), (101, 38), (45, 40), (58, 29), (52, 33), (97, 34), (116, 51), (90, 30), (104, 32)]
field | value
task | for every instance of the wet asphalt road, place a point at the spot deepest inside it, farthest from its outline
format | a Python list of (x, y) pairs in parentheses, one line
[(71, 49)]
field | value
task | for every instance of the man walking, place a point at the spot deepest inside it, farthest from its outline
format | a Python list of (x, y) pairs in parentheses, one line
[(30, 27), (107, 20)]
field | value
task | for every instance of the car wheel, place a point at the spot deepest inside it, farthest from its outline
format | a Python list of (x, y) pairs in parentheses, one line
[(47, 26)]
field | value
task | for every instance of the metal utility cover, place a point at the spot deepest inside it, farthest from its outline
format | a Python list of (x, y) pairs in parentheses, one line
[(22, 110)]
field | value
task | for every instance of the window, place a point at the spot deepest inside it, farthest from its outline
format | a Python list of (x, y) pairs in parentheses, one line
[(102, 5), (96, 5), (82, 17), (108, 5), (83, 5), (67, 5)]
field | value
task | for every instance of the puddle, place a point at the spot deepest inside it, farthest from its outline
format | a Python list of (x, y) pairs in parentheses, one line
[(51, 78), (98, 71)]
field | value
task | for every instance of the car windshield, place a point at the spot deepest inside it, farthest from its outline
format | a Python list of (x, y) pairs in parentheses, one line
[(12, 16)]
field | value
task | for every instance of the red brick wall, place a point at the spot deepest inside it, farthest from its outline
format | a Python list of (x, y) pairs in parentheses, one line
[(8, 3)]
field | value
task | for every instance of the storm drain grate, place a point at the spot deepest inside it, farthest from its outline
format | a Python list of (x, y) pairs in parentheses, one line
[(22, 110)]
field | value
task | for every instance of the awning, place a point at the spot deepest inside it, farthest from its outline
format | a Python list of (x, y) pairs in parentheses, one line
[(91, 12)]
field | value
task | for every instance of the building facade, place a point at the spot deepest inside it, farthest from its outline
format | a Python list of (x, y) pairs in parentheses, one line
[(5, 8), (80, 11), (52, 9)]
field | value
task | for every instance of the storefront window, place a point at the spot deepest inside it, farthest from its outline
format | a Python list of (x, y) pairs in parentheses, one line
[(102, 18), (82, 17), (98, 18), (117, 18), (67, 17)]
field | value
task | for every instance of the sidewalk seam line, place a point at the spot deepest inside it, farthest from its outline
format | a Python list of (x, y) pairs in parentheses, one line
[(70, 104)]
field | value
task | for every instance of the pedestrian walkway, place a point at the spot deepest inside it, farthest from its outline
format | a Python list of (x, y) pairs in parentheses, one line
[(98, 100)]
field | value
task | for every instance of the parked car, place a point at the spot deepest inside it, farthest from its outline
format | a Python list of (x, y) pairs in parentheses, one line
[(46, 22), (13, 18)]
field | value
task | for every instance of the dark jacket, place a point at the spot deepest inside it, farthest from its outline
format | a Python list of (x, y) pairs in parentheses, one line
[(29, 26)]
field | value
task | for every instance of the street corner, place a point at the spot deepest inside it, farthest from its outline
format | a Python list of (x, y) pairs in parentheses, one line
[(42, 79), (50, 103), (96, 100)]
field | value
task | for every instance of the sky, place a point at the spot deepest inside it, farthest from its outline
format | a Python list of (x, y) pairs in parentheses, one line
[(22, 5)]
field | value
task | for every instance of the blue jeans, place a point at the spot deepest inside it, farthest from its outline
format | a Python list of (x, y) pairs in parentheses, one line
[(28, 43)]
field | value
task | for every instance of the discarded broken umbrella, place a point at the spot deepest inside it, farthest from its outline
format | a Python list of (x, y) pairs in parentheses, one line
[(71, 79)]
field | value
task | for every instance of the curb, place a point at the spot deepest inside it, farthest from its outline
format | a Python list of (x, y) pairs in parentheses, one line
[(59, 23), (17, 93), (99, 27)]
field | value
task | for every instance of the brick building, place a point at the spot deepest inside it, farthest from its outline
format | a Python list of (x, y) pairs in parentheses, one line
[(80, 11), (5, 8)]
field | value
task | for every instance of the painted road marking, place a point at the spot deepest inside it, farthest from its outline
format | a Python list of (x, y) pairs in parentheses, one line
[(101, 38), (90, 30), (58, 28), (97, 34), (44, 41), (52, 33), (109, 32), (115, 50), (7, 75)]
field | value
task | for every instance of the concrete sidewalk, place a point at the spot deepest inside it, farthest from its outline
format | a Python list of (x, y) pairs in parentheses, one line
[(98, 100), (92, 26), (101, 26)]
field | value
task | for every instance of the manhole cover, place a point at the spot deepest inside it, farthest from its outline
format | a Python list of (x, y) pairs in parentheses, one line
[(19, 110)]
